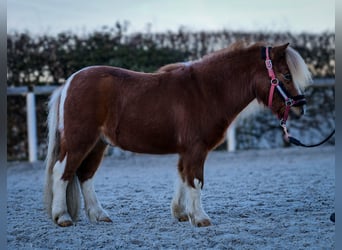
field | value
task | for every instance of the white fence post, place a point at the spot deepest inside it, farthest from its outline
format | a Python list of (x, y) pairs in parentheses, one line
[(31, 126), (231, 137)]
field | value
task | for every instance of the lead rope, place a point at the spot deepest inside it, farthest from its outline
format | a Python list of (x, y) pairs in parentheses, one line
[(297, 142)]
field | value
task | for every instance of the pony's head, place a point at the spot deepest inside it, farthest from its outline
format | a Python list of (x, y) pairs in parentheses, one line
[(284, 77)]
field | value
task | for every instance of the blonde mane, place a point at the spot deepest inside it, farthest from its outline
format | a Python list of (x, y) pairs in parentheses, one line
[(301, 75)]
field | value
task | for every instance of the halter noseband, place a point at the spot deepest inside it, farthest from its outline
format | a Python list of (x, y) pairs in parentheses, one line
[(290, 101)]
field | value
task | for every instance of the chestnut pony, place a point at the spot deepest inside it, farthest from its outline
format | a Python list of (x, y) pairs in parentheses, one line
[(183, 108)]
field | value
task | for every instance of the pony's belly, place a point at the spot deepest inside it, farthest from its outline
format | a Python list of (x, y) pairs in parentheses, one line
[(148, 148), (149, 143)]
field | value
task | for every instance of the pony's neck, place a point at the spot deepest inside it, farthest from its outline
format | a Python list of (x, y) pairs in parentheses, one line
[(231, 80)]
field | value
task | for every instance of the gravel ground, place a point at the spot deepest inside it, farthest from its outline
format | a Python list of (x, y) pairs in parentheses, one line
[(257, 199)]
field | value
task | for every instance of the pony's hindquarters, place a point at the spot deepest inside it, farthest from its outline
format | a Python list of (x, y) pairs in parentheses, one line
[(72, 192)]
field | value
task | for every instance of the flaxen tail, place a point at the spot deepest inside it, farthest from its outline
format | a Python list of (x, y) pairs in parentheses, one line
[(73, 192)]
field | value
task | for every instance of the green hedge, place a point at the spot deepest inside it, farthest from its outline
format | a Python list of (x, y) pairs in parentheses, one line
[(34, 60)]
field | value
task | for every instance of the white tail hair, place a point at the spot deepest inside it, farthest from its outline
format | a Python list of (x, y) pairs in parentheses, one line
[(73, 192)]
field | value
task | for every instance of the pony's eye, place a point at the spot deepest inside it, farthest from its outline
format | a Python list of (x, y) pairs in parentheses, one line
[(287, 77)]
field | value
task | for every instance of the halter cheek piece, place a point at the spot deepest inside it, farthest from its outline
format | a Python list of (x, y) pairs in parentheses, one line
[(289, 100)]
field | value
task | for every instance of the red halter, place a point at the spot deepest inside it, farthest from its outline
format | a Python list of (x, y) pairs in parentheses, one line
[(276, 84), (274, 80)]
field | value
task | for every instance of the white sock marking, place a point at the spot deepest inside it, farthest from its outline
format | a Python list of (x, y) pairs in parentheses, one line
[(194, 204), (178, 209), (93, 208), (59, 186)]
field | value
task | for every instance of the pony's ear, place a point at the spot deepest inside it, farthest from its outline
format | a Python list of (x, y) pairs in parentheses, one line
[(279, 51)]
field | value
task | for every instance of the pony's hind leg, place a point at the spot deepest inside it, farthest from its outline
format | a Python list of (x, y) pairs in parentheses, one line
[(59, 204), (85, 174), (65, 186)]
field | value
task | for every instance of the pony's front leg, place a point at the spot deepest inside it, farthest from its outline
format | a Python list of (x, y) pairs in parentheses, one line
[(93, 208), (178, 206), (194, 208), (187, 204)]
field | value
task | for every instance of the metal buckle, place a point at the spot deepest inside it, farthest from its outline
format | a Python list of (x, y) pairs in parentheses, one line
[(289, 102), (268, 64), (274, 81), (282, 123)]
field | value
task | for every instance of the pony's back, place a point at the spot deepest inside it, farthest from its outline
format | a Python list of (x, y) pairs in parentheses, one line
[(170, 67)]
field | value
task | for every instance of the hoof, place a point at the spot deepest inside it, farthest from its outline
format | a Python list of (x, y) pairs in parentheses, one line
[(63, 220), (183, 218), (98, 215), (106, 219), (67, 223), (203, 223), (178, 212)]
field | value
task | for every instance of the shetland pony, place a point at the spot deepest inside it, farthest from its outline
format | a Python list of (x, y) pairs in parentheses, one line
[(183, 108)]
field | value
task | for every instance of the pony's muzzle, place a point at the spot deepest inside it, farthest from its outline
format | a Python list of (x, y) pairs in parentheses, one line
[(299, 105), (298, 111)]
